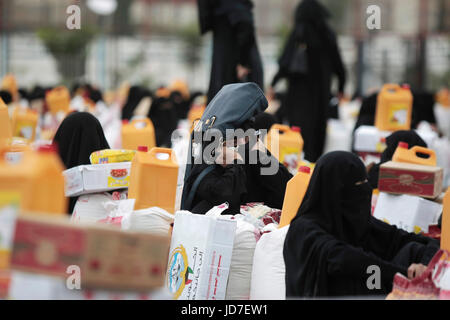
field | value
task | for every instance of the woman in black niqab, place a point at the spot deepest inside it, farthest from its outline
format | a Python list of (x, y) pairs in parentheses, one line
[(334, 238), (77, 137), (309, 89)]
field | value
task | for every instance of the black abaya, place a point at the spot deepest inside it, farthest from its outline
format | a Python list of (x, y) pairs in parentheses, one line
[(78, 136), (334, 238), (234, 43), (308, 94)]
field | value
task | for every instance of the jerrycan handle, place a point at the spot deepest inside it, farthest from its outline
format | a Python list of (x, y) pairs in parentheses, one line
[(159, 154), (431, 160), (138, 121), (11, 148), (280, 127), (390, 87)]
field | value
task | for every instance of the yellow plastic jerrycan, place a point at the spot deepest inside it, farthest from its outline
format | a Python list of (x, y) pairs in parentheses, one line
[(403, 154), (445, 232), (37, 180), (58, 100), (24, 123), (394, 108), (5, 124), (295, 192), (290, 144), (9, 84), (15, 148), (139, 132), (153, 179), (443, 98), (196, 112)]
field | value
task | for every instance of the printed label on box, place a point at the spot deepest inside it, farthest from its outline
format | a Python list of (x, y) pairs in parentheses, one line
[(46, 248), (119, 178), (408, 182)]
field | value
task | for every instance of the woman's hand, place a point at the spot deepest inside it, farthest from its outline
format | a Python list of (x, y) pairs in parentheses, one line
[(227, 156), (416, 270), (259, 145), (242, 72)]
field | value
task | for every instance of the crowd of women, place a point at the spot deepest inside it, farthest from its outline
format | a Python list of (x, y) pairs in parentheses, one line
[(334, 238)]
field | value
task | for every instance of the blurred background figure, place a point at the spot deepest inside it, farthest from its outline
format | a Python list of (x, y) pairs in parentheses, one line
[(309, 59), (78, 136), (235, 52)]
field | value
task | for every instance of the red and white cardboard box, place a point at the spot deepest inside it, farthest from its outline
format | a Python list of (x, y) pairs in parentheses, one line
[(97, 178), (107, 257), (413, 179)]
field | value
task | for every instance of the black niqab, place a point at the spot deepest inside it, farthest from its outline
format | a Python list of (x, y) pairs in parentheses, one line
[(333, 200)]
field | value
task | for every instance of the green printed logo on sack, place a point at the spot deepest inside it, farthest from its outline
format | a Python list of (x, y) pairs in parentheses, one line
[(179, 273)]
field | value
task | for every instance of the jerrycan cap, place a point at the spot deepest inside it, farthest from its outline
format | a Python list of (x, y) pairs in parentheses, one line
[(48, 148), (403, 145), (142, 149), (125, 121), (296, 129), (304, 169), (406, 86)]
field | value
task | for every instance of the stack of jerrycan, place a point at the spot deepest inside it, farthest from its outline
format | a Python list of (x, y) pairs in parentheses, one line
[(153, 180), (286, 144), (139, 132), (295, 192)]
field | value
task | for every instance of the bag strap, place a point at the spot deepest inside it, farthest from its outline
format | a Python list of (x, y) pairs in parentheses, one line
[(187, 204)]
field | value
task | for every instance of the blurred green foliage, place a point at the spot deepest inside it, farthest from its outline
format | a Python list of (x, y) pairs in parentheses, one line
[(69, 48)]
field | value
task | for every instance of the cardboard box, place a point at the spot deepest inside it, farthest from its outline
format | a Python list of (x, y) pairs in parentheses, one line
[(413, 179), (107, 257), (410, 213), (97, 178)]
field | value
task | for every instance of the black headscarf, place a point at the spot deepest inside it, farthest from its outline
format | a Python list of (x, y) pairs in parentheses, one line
[(408, 136), (333, 200), (77, 137), (236, 10), (311, 11), (310, 28), (135, 96)]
